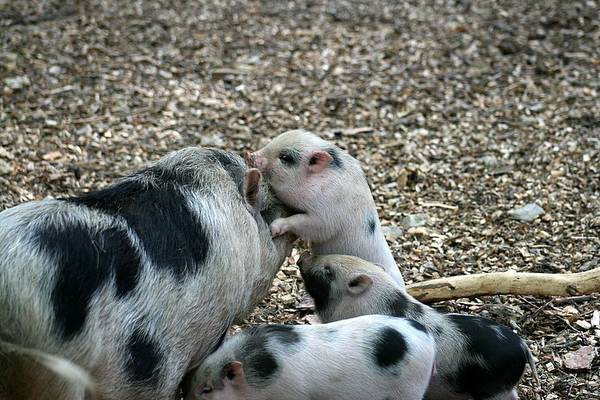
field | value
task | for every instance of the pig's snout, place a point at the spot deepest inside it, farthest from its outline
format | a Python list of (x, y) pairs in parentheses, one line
[(255, 160), (249, 159)]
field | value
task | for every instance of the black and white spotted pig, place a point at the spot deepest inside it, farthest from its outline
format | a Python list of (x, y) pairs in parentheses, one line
[(476, 358), (327, 185), (370, 357), (138, 282)]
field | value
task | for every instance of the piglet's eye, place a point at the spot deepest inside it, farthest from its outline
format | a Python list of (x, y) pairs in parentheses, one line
[(287, 158), (206, 390)]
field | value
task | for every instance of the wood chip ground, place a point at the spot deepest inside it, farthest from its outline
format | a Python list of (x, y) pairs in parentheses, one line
[(461, 110)]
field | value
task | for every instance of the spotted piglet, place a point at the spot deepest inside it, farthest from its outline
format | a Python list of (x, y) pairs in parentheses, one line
[(369, 357), (476, 358), (327, 186)]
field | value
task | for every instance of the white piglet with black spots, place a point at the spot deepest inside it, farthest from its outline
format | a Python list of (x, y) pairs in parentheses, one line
[(326, 185), (476, 358), (371, 357)]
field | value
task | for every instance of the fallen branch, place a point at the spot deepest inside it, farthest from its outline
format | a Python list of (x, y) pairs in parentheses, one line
[(510, 282)]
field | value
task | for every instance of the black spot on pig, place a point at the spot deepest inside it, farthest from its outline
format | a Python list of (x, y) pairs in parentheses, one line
[(371, 224), (503, 356), (260, 362), (86, 260), (437, 330), (390, 347), (144, 358), (285, 334), (158, 213), (415, 310), (263, 365), (398, 304), (111, 198), (289, 157), (318, 285), (417, 325), (337, 160)]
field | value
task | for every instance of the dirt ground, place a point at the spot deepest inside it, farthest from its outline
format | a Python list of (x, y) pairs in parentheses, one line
[(461, 110)]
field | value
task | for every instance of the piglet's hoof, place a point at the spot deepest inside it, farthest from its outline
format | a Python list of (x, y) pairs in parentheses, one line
[(278, 228)]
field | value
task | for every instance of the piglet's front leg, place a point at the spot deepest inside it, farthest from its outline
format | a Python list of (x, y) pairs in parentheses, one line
[(302, 225)]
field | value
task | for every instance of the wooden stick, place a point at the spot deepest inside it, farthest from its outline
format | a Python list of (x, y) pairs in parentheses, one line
[(509, 282)]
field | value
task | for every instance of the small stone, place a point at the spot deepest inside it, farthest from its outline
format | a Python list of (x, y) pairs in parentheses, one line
[(55, 70), (53, 155), (165, 74), (583, 324), (595, 318), (17, 82), (51, 122), (536, 107), (211, 140), (580, 359), (414, 220), (392, 233), (496, 215), (5, 168), (5, 154), (85, 130), (489, 161), (418, 231), (495, 166), (527, 213)]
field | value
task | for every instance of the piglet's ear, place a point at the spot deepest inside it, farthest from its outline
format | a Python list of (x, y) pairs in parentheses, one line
[(233, 373), (318, 161), (252, 181), (359, 284)]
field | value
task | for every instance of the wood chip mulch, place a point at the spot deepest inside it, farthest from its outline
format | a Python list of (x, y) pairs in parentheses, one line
[(460, 110)]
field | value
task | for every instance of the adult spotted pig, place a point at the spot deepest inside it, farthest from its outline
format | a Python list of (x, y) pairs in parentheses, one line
[(137, 283)]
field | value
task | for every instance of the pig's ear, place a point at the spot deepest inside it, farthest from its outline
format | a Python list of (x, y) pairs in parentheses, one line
[(359, 284), (252, 187), (318, 161), (233, 373)]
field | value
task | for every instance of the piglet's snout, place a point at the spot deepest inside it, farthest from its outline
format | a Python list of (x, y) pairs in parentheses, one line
[(258, 161)]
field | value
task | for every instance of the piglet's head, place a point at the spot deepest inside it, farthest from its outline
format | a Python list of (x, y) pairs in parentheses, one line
[(345, 286), (295, 163)]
